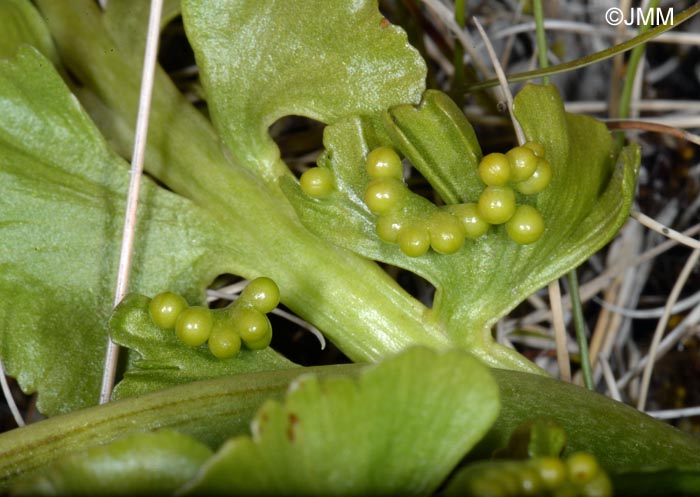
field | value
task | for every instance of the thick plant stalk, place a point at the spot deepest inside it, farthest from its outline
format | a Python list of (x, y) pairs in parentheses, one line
[(210, 411), (215, 410)]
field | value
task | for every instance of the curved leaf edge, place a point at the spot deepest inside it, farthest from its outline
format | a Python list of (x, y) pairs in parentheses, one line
[(212, 411)]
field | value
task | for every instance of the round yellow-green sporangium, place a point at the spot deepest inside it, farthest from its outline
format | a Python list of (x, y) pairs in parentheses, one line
[(414, 240), (194, 325), (526, 226), (384, 162), (494, 169), (496, 204), (317, 182)]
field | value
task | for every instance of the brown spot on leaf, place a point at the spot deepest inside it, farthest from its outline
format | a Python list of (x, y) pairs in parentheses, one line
[(262, 422), (384, 23), (292, 420)]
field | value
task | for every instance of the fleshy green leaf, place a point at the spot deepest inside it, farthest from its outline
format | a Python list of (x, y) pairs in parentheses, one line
[(398, 429), (163, 360), (21, 23), (140, 464), (323, 60), (451, 168), (127, 22), (586, 202), (618, 435), (62, 194), (212, 411)]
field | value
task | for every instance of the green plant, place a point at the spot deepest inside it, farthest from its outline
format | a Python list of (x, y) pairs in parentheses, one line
[(232, 206)]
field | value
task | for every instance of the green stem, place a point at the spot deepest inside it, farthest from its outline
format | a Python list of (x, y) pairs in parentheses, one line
[(541, 38), (215, 410), (630, 75), (458, 77), (580, 326)]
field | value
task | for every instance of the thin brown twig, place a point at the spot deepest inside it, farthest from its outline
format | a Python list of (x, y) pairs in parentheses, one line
[(661, 326), (635, 124), (560, 336), (603, 324)]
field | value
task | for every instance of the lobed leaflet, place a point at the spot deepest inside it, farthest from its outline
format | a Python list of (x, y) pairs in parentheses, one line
[(417, 225)]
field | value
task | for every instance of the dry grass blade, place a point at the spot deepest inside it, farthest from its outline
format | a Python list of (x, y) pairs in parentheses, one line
[(680, 306), (9, 398), (661, 326), (447, 17), (675, 413), (502, 80), (607, 324), (669, 341), (609, 379), (588, 29), (560, 334), (636, 124), (600, 282), (124, 269), (653, 224)]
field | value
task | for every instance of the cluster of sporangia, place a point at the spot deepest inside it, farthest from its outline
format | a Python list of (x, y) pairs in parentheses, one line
[(243, 321), (579, 475), (445, 229)]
